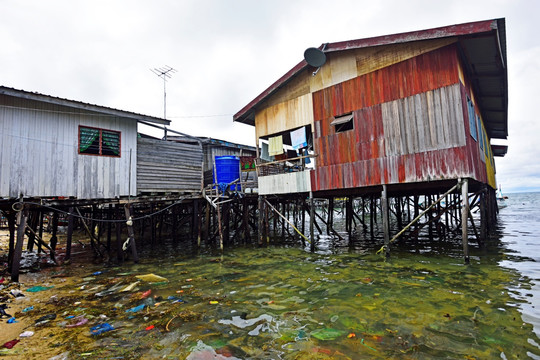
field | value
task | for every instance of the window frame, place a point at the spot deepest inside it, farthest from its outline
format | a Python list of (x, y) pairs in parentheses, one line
[(343, 123), (100, 137), (472, 119)]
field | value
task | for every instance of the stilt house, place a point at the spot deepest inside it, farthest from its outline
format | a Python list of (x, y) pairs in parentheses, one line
[(57, 148), (410, 111)]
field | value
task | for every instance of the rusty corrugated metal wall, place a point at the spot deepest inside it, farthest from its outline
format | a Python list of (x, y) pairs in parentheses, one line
[(410, 125)]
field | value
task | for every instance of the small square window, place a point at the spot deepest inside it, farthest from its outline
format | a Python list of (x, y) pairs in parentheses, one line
[(93, 141), (343, 123)]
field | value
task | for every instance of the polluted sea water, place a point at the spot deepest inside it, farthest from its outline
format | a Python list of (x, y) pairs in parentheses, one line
[(279, 302)]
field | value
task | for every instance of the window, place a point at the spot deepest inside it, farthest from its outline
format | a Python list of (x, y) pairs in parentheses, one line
[(343, 123), (472, 119), (93, 141)]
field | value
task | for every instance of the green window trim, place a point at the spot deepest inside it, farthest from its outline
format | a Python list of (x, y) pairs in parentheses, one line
[(101, 142)]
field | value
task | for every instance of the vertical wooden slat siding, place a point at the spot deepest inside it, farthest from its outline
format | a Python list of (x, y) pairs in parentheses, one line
[(39, 152)]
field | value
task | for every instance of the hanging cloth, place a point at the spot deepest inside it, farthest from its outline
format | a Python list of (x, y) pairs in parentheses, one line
[(275, 145), (264, 152), (298, 138)]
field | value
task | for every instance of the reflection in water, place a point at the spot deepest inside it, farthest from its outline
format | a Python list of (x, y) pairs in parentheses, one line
[(343, 302)]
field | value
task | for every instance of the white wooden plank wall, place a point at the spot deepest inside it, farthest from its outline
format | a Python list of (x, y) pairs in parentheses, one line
[(39, 153)]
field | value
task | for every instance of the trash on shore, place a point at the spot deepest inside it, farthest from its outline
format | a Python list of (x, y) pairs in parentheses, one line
[(152, 278)]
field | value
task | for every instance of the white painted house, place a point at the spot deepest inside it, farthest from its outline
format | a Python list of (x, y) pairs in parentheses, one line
[(54, 147)]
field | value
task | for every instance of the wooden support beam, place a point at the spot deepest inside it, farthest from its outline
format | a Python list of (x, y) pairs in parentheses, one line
[(93, 242), (131, 233), (311, 221), (464, 214), (12, 220), (385, 218), (17, 254), (260, 226), (118, 228), (67, 258), (54, 239)]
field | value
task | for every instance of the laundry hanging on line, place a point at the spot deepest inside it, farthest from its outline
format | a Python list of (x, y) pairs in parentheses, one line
[(275, 145), (298, 138)]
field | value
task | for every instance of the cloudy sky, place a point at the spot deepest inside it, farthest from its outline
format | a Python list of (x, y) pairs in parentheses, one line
[(226, 52)]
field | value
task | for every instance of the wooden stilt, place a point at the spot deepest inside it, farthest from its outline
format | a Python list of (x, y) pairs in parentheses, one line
[(67, 258), (54, 239), (311, 220), (260, 226), (385, 218), (17, 254), (484, 218), (464, 214), (129, 223), (119, 243), (372, 217), (330, 220), (32, 224), (245, 220), (41, 216), (11, 219)]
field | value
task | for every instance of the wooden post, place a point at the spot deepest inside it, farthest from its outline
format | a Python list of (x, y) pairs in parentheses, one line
[(118, 227), (21, 221), (311, 220), (464, 215), (372, 217), (330, 219), (41, 215), (109, 229), (219, 228), (266, 224), (32, 224), (245, 220), (67, 258), (54, 238), (11, 219), (385, 222), (227, 223), (399, 212), (260, 222), (129, 223), (483, 215)]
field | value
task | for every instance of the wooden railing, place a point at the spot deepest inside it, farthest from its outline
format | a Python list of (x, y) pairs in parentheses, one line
[(265, 168)]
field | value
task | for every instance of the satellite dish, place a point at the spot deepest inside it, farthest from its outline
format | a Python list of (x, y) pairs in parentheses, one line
[(314, 57)]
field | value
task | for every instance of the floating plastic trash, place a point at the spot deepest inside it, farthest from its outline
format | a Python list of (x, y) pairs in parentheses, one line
[(151, 278), (149, 328), (129, 287), (97, 273), (46, 318), (30, 308), (327, 334), (78, 321), (16, 293), (3, 312), (39, 288), (12, 320), (11, 344), (26, 334), (101, 328), (136, 308)]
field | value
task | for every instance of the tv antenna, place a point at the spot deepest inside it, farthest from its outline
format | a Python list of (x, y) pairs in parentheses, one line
[(164, 72)]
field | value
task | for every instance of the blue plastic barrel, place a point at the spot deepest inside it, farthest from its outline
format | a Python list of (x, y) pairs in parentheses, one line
[(227, 170)]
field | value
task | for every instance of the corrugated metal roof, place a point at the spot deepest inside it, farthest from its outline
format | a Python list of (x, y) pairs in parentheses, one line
[(483, 46), (22, 94)]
